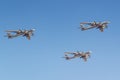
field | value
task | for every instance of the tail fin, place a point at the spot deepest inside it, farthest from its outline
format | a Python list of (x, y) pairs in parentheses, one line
[(82, 28)]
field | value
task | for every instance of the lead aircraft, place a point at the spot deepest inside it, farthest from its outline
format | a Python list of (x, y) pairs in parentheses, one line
[(16, 33)]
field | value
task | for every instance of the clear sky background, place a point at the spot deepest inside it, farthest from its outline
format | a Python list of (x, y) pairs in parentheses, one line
[(57, 25)]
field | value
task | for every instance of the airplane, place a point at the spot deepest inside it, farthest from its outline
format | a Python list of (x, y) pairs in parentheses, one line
[(83, 55), (15, 33), (98, 25)]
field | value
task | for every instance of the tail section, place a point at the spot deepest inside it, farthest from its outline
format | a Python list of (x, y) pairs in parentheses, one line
[(82, 28), (9, 35)]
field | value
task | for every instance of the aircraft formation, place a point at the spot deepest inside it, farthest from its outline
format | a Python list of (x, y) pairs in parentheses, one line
[(67, 55), (85, 26)]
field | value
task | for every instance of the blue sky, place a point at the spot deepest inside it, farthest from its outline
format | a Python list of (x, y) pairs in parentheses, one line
[(57, 31)]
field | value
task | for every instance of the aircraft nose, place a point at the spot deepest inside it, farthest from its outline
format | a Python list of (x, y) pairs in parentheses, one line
[(107, 21), (90, 51), (33, 29)]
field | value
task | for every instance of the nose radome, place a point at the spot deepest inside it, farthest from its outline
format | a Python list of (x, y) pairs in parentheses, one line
[(90, 51), (33, 29), (107, 21)]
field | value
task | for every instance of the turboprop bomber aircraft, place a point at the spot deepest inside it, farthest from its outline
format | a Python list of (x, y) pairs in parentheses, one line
[(98, 25), (16, 33), (83, 55)]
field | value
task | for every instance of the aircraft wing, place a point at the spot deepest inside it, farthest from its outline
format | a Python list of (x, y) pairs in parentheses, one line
[(89, 23), (67, 52), (106, 22), (15, 31), (70, 52)]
